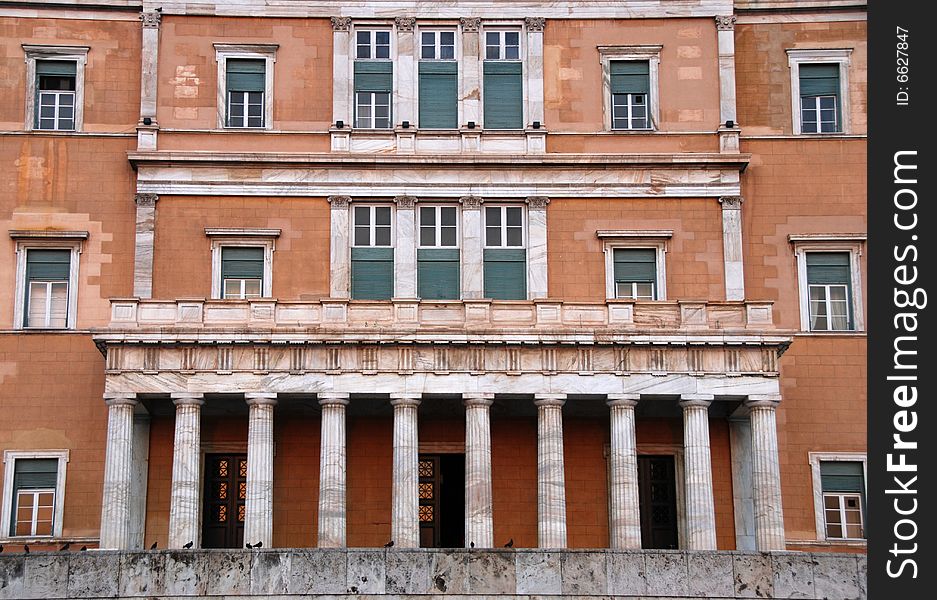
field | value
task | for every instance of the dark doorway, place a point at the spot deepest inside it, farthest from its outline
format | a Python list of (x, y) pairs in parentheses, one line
[(442, 500), (657, 487), (225, 491)]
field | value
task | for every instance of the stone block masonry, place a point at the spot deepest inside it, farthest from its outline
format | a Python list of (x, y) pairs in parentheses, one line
[(431, 573)]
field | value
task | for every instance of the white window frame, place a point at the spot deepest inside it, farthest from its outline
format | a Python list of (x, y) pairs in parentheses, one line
[(222, 237), (373, 106), (826, 243), (634, 240), (40, 240), (501, 30), (819, 508), (819, 111), (9, 468), (649, 53), (372, 225), (372, 42), (436, 30), (504, 226), (265, 52), (438, 226), (840, 56), (78, 54)]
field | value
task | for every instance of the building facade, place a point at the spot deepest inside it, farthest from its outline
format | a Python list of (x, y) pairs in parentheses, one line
[(554, 275)]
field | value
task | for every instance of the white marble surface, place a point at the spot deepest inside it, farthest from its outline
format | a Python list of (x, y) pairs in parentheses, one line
[(339, 249), (726, 43), (143, 249), (258, 505), (184, 506), (624, 516), (536, 252), (732, 248), (700, 509), (405, 92), (405, 500), (479, 529), (141, 467), (740, 440), (470, 80), (534, 68), (766, 473), (551, 478), (332, 472), (473, 281), (118, 465), (405, 251), (342, 77), (149, 58)]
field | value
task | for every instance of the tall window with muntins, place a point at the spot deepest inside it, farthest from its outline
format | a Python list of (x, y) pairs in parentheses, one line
[(55, 95), (33, 502), (242, 272), (374, 79), (820, 103), (843, 499), (630, 87), (438, 86), (503, 93), (438, 272), (635, 273), (372, 253), (829, 291), (47, 276), (505, 256), (246, 81)]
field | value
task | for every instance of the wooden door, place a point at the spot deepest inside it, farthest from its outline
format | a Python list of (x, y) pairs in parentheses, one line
[(223, 500), (657, 487)]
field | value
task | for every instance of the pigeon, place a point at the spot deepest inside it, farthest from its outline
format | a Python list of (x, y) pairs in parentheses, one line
[(26, 548), (259, 544), (1, 547), (84, 549), (188, 545), (510, 543), (153, 547), (389, 544), (471, 544), (65, 547), (248, 546)]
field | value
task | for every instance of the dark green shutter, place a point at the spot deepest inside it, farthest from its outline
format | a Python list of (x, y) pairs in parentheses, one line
[(506, 274), (819, 80), (828, 267), (61, 68), (439, 90), (374, 76), (242, 263), (246, 75), (35, 473), (438, 273), (630, 76), (48, 265), (636, 265), (372, 273), (503, 95), (842, 476)]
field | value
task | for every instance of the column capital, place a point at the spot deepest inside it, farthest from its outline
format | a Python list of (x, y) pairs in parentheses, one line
[(333, 399), (696, 400), (151, 19), (537, 202), (341, 23), (477, 399), (187, 398), (405, 400), (260, 398), (145, 200), (470, 24), (471, 202), (725, 22), (121, 399), (622, 400), (762, 401), (549, 400), (731, 202), (405, 202), (339, 202), (405, 23), (535, 23)]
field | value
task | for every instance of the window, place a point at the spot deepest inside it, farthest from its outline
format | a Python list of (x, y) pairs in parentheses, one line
[(34, 487), (438, 86), (371, 44), (438, 272), (829, 278), (372, 253), (47, 278), (839, 491), (630, 85), (503, 88), (819, 88), (374, 80), (242, 272), (635, 273), (55, 87), (242, 262), (245, 85), (505, 255), (635, 263)]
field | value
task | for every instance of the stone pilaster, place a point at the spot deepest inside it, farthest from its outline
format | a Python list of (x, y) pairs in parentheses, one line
[(332, 469), (551, 479), (258, 505), (732, 247), (143, 245), (766, 473), (725, 32), (405, 248), (625, 518), (184, 493), (473, 279), (534, 27), (141, 469), (700, 509), (537, 246), (405, 499), (471, 70), (147, 127), (339, 247), (406, 66), (342, 75), (118, 473), (479, 529)]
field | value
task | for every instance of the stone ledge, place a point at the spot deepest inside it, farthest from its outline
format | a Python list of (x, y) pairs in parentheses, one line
[(428, 573)]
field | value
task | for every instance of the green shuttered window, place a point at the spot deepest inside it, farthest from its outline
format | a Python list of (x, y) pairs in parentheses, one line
[(372, 273), (47, 279), (246, 82), (56, 83), (630, 87), (506, 274), (635, 273), (829, 286), (374, 83), (438, 273), (820, 102), (843, 485), (439, 87), (242, 272), (34, 483), (503, 95)]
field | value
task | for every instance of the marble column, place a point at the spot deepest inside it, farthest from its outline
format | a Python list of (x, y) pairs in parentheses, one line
[(258, 504), (405, 494), (141, 469), (143, 245), (534, 27), (470, 70), (625, 518), (473, 258), (732, 247), (339, 247), (146, 131), (332, 469), (743, 503), (766, 473), (186, 461), (118, 473), (405, 96), (405, 248), (537, 247), (551, 478), (479, 527), (700, 509)]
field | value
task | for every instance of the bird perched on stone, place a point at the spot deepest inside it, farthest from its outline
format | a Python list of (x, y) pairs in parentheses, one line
[(65, 547), (188, 545), (510, 543), (84, 549), (153, 547), (471, 544), (1, 547), (259, 544), (389, 544), (26, 548), (248, 546)]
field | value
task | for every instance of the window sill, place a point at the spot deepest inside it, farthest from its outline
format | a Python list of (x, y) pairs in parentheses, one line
[(850, 542), (631, 131), (49, 540), (850, 333)]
